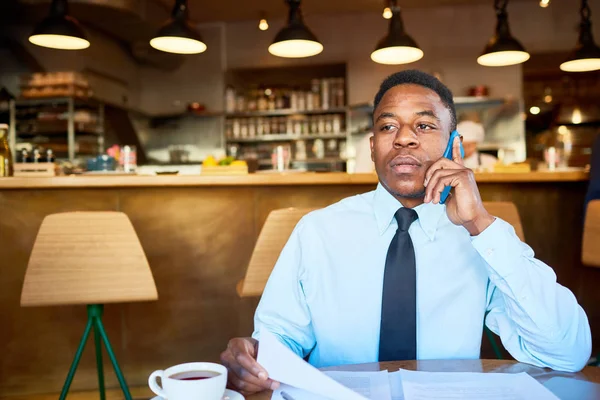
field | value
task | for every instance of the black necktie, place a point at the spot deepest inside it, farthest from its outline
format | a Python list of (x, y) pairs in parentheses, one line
[(398, 335)]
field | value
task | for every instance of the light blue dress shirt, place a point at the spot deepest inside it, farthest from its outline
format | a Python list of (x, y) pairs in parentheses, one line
[(323, 297)]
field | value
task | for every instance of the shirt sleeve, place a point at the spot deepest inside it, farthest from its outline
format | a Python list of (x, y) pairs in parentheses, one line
[(283, 309), (538, 320)]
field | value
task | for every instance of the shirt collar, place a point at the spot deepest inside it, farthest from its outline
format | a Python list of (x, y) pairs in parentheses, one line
[(385, 206)]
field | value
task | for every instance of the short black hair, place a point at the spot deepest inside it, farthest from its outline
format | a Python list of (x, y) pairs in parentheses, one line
[(416, 77)]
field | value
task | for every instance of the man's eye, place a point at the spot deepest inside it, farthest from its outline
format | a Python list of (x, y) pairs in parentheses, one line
[(386, 127), (424, 127)]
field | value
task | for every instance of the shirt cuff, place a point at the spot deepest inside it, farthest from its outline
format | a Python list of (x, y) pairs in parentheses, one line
[(500, 247)]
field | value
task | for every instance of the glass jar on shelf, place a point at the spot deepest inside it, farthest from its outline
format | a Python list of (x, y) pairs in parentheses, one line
[(236, 128), (282, 125), (274, 125), (244, 128), (316, 90), (260, 127), (337, 123), (252, 127)]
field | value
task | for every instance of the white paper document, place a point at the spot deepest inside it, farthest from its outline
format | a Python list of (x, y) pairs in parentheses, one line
[(371, 385), (284, 366), (418, 385), (395, 380)]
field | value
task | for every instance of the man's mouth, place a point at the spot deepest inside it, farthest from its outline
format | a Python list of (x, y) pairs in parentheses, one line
[(405, 164)]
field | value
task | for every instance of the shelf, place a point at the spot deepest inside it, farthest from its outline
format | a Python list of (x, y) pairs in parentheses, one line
[(55, 127), (286, 137), (55, 100), (278, 113), (185, 114), (459, 101), (478, 101)]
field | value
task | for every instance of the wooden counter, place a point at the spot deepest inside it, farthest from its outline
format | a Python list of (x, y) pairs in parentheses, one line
[(259, 179), (198, 234)]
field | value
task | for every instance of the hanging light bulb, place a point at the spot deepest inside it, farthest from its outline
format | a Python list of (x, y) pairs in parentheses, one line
[(177, 35), (586, 56), (263, 25), (397, 47), (576, 116), (387, 13), (59, 30), (544, 3), (295, 40), (548, 95), (502, 49)]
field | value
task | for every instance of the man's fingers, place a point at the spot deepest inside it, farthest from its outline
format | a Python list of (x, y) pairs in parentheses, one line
[(246, 376), (433, 182), (442, 163), (239, 384), (249, 363), (448, 180), (456, 156)]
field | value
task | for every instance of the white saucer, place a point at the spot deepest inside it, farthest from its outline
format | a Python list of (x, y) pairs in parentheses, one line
[(228, 395)]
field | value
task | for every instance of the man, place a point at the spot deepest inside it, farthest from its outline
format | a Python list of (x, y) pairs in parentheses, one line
[(472, 133), (392, 274)]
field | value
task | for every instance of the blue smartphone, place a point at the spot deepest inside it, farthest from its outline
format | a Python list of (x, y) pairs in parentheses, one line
[(448, 155)]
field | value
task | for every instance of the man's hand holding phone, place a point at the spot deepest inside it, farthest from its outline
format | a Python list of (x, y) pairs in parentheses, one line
[(464, 207)]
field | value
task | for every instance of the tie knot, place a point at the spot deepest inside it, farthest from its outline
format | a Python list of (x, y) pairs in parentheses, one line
[(405, 217)]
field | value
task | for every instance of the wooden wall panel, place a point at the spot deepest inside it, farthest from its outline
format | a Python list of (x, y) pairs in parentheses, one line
[(198, 241), (269, 198)]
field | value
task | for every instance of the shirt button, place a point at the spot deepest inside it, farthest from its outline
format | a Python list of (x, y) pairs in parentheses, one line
[(489, 252)]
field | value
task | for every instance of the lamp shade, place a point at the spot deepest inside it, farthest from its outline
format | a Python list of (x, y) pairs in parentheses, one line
[(295, 40), (586, 56), (502, 49), (177, 35), (59, 30), (397, 47)]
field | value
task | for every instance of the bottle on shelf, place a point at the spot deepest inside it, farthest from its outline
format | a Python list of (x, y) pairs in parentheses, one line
[(316, 90), (230, 99), (325, 94), (49, 156), (36, 155), (6, 161)]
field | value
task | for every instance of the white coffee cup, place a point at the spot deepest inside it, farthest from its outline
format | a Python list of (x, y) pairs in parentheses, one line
[(181, 382)]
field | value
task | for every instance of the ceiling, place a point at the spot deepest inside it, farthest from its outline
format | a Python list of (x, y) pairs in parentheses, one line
[(240, 10), (133, 22)]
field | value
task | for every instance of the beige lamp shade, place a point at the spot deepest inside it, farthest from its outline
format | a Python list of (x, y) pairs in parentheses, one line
[(279, 226), (87, 258), (590, 251)]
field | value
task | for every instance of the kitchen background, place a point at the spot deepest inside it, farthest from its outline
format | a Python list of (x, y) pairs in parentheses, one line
[(174, 107)]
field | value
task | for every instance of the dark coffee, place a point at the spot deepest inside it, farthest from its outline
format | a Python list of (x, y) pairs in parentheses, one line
[(194, 375)]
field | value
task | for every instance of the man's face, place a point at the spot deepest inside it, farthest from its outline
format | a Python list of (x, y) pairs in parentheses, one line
[(411, 131)]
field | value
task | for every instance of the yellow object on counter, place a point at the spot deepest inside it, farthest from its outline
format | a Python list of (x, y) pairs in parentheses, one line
[(518, 167), (224, 166), (224, 170), (210, 162)]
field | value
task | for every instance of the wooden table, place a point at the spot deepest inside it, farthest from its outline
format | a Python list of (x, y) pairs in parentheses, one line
[(591, 374)]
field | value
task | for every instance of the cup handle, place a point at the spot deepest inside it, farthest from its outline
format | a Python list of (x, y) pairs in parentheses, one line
[(153, 383)]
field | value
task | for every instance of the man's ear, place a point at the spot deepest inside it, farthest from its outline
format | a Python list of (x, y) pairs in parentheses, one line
[(372, 143)]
